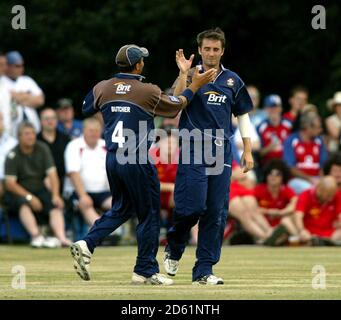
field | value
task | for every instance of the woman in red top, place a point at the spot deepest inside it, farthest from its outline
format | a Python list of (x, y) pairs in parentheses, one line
[(276, 200), (243, 206)]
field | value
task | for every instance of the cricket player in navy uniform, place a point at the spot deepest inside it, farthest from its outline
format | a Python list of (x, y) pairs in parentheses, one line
[(127, 105), (201, 197)]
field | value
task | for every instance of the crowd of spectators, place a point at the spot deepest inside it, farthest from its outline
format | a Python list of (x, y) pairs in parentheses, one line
[(53, 165)]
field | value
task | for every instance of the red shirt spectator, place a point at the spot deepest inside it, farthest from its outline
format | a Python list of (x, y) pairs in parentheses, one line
[(319, 217), (266, 200)]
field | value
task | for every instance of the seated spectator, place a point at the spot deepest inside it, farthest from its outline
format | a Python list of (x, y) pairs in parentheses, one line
[(333, 123), (256, 115), (274, 130), (26, 167), (7, 143), (26, 95), (297, 100), (243, 206), (276, 200), (5, 97), (85, 159), (305, 153), (333, 168), (166, 157), (67, 124), (56, 141), (318, 211)]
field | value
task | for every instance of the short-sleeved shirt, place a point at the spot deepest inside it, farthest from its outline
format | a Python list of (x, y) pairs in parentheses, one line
[(128, 107), (266, 200), (268, 133), (27, 85), (318, 217), (89, 163), (309, 157), (213, 104), (30, 170)]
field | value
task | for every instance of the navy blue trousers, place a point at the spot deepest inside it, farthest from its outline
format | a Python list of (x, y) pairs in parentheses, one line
[(204, 198), (135, 190)]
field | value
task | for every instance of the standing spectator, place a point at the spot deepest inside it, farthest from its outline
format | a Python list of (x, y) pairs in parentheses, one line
[(7, 143), (26, 167), (5, 97), (333, 123), (274, 130), (26, 95), (85, 159), (67, 124), (318, 210), (298, 99), (56, 140), (305, 153), (256, 115)]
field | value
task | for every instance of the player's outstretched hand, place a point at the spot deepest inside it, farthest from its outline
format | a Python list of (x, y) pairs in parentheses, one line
[(247, 161), (200, 79), (183, 64)]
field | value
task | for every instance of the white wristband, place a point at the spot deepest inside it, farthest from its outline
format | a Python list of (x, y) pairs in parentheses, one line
[(244, 125)]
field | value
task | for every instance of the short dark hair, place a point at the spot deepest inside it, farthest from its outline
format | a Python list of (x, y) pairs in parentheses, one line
[(128, 68), (335, 159), (280, 165), (299, 88), (214, 34)]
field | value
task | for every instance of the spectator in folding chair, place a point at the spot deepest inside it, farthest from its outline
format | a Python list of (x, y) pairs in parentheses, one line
[(26, 167), (85, 159)]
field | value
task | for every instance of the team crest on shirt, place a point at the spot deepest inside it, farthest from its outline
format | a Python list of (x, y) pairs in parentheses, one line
[(230, 82), (122, 87)]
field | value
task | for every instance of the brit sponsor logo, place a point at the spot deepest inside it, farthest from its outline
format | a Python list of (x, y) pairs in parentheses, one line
[(122, 87), (215, 98)]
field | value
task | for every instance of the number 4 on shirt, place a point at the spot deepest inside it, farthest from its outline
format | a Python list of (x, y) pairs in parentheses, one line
[(117, 135)]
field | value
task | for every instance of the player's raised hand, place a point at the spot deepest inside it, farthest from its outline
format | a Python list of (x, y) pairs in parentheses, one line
[(200, 79), (183, 64)]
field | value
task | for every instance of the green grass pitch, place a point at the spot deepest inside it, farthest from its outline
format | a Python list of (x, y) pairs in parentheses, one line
[(249, 273)]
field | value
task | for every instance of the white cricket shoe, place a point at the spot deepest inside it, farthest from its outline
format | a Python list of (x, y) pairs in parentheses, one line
[(155, 279), (82, 256), (37, 242), (52, 242), (209, 279), (171, 266)]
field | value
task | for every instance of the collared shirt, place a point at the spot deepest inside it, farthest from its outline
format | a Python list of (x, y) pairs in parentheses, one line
[(89, 163), (308, 157), (214, 103)]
